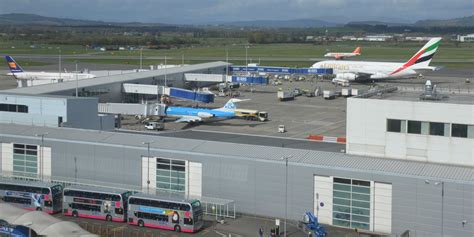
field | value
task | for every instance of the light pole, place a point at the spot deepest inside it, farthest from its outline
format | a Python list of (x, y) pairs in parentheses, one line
[(141, 58), (60, 64), (75, 169), (227, 61), (246, 59), (77, 83), (438, 183), (42, 153), (148, 169), (286, 190), (166, 72)]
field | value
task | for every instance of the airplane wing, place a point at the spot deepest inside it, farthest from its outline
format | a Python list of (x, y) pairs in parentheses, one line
[(188, 119)]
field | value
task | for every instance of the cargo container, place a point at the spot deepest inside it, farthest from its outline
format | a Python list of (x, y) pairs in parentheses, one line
[(285, 95), (329, 95), (356, 92), (346, 92)]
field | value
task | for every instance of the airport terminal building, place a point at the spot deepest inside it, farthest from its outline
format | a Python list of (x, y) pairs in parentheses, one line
[(379, 182)]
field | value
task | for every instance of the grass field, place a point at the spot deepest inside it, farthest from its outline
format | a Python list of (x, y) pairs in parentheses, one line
[(301, 54)]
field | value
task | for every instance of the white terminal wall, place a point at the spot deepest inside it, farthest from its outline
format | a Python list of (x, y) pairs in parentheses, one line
[(367, 135)]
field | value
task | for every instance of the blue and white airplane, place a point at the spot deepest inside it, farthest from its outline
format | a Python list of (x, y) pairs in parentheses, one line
[(191, 115)]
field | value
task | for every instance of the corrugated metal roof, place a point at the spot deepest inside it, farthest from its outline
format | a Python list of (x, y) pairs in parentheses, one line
[(243, 151), (71, 85), (41, 222)]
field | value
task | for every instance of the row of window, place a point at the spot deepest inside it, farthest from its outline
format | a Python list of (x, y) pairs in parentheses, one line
[(25, 160), (13, 108), (151, 216), (351, 203), (430, 128), (26, 189), (92, 195), (170, 175), (160, 204), (85, 207)]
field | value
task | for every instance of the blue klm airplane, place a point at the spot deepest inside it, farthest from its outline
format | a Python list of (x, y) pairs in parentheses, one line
[(191, 115)]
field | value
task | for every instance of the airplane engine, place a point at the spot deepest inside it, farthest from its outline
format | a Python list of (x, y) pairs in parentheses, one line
[(205, 115), (347, 76)]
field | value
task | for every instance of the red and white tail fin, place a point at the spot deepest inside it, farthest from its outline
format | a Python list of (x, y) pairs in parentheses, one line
[(357, 50)]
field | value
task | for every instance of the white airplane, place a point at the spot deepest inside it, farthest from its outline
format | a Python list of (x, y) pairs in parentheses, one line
[(18, 73), (356, 52), (347, 71)]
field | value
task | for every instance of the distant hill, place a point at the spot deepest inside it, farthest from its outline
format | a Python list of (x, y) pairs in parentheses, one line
[(467, 21), (374, 23), (31, 19), (297, 23)]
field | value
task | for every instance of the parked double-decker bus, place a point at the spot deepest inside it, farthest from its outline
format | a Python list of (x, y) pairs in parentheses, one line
[(96, 203), (165, 213), (32, 195)]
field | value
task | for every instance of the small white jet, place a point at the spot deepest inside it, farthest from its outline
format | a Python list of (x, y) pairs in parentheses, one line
[(356, 52), (347, 71), (17, 72)]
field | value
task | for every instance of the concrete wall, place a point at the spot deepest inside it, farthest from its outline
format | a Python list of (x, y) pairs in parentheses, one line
[(42, 111), (258, 186), (46, 111), (366, 130)]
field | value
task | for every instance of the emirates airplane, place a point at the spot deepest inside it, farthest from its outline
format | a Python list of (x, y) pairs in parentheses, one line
[(343, 55), (18, 73), (347, 71)]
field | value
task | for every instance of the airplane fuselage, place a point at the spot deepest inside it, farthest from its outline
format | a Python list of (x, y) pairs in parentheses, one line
[(382, 70), (202, 113), (51, 76), (340, 55)]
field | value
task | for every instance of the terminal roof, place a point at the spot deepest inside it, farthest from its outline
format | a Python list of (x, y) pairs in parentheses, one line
[(229, 150), (123, 78)]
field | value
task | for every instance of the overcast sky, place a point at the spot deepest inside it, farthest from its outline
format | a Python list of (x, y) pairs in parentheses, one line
[(216, 11)]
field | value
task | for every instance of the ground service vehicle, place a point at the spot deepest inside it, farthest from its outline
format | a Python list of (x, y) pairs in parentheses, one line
[(31, 195), (154, 126), (328, 95), (281, 129), (285, 95), (165, 213), (248, 114), (95, 203)]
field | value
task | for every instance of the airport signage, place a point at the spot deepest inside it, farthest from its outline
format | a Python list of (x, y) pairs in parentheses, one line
[(282, 70)]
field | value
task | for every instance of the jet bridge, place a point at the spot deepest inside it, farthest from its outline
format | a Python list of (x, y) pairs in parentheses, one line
[(204, 97)]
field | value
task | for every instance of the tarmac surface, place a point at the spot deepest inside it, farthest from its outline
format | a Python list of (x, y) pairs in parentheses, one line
[(242, 226), (302, 117), (249, 139)]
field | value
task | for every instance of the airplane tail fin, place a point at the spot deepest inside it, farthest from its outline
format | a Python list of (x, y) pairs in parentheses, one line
[(357, 50), (230, 105), (14, 66), (421, 60), (423, 57)]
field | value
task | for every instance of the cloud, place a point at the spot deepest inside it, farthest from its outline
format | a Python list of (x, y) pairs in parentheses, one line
[(214, 11)]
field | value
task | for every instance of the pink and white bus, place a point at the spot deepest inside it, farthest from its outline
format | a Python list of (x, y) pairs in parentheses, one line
[(32, 195), (96, 203)]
